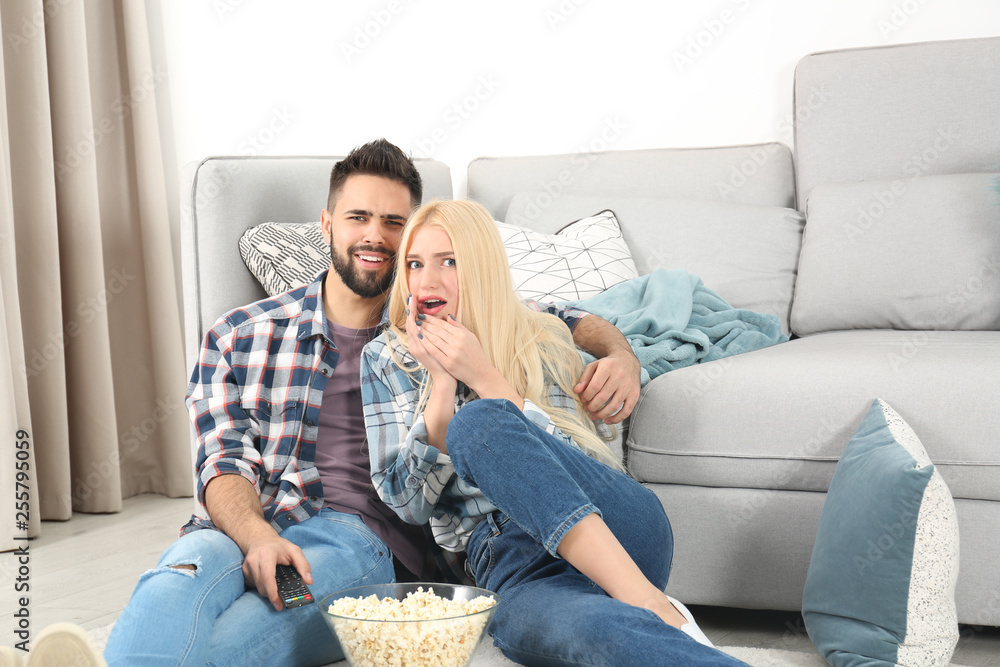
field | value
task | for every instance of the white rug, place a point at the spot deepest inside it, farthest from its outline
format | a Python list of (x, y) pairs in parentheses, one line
[(488, 655)]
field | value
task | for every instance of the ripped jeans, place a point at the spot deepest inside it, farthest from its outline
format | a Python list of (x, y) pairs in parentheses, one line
[(207, 616)]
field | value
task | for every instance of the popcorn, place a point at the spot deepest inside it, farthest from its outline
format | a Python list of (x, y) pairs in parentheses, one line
[(437, 631)]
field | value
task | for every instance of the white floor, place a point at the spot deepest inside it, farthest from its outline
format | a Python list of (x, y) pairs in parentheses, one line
[(84, 571)]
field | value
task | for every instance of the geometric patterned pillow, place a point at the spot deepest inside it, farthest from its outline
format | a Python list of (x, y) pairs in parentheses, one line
[(881, 583), (284, 256), (580, 261)]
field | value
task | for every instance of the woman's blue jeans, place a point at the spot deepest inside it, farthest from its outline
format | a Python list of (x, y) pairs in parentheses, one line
[(550, 613), (207, 616)]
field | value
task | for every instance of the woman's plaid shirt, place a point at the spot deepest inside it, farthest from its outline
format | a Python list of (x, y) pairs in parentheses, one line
[(415, 479)]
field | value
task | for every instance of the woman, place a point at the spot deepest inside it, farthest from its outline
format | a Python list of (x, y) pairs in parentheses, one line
[(473, 427)]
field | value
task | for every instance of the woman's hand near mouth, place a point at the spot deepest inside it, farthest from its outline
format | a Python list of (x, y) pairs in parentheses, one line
[(422, 349), (441, 403), (458, 351)]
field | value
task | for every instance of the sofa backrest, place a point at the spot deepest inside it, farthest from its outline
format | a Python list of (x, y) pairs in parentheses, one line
[(896, 157), (897, 111), (752, 174), (222, 197), (724, 214)]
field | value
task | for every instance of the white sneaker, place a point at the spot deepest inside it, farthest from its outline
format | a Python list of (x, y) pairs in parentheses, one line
[(64, 645), (690, 628), (10, 657)]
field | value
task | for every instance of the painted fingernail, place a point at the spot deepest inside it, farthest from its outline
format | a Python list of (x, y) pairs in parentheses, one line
[(451, 316), (419, 322), (422, 316), (420, 336), (407, 311)]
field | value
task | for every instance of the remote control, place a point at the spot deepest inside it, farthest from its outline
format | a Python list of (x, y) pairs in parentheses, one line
[(291, 588)]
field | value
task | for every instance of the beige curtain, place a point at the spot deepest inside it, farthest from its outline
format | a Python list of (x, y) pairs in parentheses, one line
[(92, 341)]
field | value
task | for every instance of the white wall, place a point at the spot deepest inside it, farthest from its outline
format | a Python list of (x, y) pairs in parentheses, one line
[(458, 79)]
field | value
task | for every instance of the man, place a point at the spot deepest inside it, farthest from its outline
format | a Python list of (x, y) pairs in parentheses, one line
[(282, 463)]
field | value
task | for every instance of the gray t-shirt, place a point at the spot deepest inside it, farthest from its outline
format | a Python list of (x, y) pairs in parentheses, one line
[(342, 453)]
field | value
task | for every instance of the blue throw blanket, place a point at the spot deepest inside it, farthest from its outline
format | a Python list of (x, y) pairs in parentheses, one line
[(672, 320)]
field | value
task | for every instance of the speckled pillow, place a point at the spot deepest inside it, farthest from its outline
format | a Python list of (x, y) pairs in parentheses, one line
[(881, 583)]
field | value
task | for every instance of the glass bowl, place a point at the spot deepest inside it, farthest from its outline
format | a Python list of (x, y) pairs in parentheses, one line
[(447, 640)]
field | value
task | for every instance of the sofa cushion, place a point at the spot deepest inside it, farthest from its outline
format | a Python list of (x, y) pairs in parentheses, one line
[(582, 260), (744, 252), (916, 254), (881, 583), (778, 418)]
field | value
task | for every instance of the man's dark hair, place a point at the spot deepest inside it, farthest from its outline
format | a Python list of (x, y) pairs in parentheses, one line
[(376, 158)]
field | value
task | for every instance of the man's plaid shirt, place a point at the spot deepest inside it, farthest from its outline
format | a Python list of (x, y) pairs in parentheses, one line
[(255, 402)]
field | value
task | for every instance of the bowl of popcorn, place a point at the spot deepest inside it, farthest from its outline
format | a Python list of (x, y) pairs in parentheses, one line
[(409, 625)]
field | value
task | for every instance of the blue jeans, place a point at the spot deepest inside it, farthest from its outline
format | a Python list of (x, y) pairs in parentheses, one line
[(208, 616), (550, 613)]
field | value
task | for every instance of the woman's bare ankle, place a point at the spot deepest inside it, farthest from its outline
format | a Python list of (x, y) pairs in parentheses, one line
[(663, 608)]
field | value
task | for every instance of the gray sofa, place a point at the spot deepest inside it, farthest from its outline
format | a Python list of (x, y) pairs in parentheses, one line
[(876, 244)]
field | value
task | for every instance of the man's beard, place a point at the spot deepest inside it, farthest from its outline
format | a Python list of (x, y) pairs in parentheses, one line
[(363, 282)]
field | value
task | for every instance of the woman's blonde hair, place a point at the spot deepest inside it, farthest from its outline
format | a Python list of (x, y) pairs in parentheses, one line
[(529, 348)]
